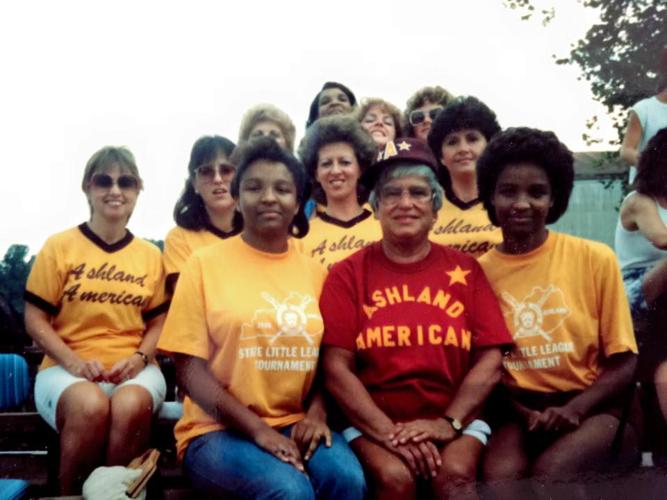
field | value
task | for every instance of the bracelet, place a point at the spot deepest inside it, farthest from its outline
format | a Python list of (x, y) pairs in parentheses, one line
[(143, 357)]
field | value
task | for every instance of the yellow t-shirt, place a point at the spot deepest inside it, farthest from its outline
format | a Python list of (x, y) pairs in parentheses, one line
[(330, 240), (566, 308), (255, 318), (180, 243), (99, 296), (465, 227)]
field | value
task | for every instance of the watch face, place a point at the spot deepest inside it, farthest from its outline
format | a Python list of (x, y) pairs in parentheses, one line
[(456, 425)]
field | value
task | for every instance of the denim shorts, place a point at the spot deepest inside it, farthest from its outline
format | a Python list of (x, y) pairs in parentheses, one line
[(633, 279)]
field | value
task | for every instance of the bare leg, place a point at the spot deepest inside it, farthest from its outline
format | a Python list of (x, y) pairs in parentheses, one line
[(389, 476), (458, 475), (82, 417), (660, 378), (505, 463), (558, 470), (131, 416), (655, 282)]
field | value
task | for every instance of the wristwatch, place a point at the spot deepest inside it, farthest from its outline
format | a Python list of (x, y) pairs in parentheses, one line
[(144, 358), (455, 423)]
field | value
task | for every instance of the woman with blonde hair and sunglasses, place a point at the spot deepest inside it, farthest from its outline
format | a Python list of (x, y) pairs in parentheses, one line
[(422, 108), (95, 304), (204, 213)]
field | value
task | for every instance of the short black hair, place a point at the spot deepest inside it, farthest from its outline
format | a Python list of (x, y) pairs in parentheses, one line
[(465, 112), (532, 146), (651, 178), (190, 212), (314, 112), (266, 148), (329, 130)]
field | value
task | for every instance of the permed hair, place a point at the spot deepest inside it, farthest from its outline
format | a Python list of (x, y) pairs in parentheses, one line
[(267, 113), (651, 178), (465, 112), (523, 145), (314, 112), (387, 107), (265, 148), (190, 211), (435, 95), (399, 170), (329, 130)]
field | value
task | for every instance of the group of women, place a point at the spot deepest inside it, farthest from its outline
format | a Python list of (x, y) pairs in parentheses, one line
[(360, 348)]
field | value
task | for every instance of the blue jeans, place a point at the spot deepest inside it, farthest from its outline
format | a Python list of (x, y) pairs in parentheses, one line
[(228, 463)]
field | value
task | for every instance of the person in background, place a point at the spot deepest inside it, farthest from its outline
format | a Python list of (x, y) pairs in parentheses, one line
[(422, 108), (566, 407), (95, 304), (335, 152), (244, 328), (266, 119), (645, 118), (641, 246), (457, 138), (381, 119), (413, 340), (334, 99), (204, 213)]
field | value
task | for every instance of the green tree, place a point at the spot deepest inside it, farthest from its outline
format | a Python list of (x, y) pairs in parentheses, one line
[(14, 270), (618, 56)]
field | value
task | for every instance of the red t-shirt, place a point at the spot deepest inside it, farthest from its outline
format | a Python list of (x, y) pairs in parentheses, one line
[(413, 327)]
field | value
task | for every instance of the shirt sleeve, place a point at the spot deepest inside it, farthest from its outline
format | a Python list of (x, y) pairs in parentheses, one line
[(158, 303), (46, 279), (616, 331), (176, 251), (186, 331), (338, 306), (486, 318)]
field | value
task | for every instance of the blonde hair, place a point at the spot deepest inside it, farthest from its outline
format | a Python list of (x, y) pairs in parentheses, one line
[(267, 113)]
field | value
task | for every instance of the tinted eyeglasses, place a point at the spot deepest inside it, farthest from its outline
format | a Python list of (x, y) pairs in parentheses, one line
[(207, 172), (418, 116), (105, 181), (390, 195)]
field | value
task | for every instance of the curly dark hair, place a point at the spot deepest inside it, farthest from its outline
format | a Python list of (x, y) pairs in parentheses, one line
[(465, 112), (651, 178), (265, 148), (190, 212), (533, 146), (331, 129)]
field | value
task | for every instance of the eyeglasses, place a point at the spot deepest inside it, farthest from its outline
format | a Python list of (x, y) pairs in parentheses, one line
[(390, 196), (418, 116), (105, 181), (207, 172)]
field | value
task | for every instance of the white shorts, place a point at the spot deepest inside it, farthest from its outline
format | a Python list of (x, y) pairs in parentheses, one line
[(52, 382), (478, 429)]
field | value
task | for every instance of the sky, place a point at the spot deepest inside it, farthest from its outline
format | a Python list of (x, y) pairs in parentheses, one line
[(155, 76)]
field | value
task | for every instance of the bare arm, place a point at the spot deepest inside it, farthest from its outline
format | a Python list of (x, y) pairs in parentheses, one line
[(352, 396), (639, 212), (38, 326), (616, 376), (194, 377), (633, 134)]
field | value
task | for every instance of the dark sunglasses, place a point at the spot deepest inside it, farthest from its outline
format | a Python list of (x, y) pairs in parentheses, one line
[(207, 172), (105, 181), (418, 116)]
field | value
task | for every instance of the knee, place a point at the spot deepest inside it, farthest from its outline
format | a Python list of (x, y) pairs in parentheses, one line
[(344, 481), (91, 409), (396, 477), (459, 472), (131, 402), (500, 468), (292, 486), (550, 464)]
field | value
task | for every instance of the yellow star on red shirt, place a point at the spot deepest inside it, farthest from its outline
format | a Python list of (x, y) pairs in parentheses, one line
[(404, 146), (369, 310), (458, 275)]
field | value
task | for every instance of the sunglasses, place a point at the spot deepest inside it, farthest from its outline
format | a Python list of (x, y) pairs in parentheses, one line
[(208, 172), (418, 116), (105, 181)]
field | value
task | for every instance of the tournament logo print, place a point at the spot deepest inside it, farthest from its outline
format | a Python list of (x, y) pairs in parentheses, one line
[(538, 314), (296, 316)]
